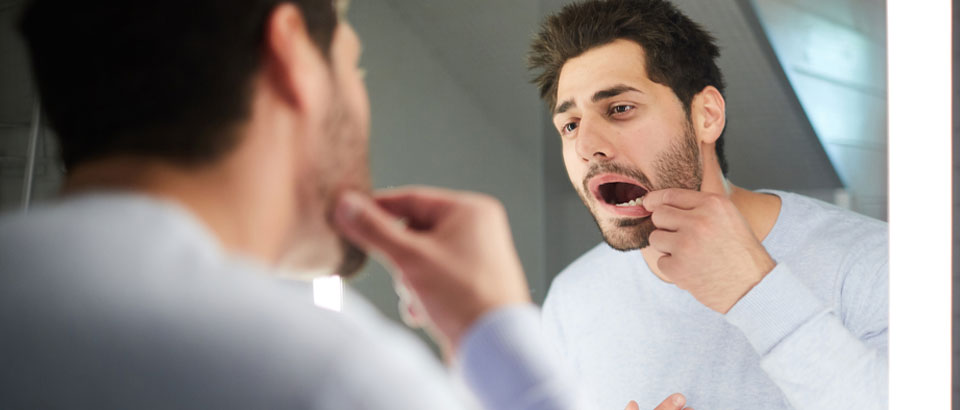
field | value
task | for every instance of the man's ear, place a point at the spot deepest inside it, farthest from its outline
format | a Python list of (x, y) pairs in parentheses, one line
[(294, 67), (708, 114)]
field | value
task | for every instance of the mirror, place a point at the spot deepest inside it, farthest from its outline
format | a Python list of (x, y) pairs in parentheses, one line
[(452, 106)]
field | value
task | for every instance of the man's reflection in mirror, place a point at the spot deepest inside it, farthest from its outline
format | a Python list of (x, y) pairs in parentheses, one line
[(740, 299)]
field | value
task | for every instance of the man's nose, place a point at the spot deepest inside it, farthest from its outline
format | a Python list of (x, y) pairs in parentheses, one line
[(594, 141)]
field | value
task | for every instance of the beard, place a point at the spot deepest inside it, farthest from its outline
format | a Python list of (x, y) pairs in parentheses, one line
[(339, 163), (677, 167), (355, 175)]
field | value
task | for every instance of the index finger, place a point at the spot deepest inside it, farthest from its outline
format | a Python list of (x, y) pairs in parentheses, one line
[(368, 226), (676, 197), (421, 206)]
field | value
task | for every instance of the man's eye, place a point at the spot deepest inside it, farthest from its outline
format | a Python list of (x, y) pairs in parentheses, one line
[(620, 109), (569, 127)]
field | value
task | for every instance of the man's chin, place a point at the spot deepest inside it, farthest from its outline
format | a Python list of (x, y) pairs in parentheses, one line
[(352, 261), (322, 256), (627, 234), (624, 246)]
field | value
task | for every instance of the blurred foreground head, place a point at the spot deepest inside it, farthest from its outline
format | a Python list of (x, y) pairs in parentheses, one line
[(264, 94)]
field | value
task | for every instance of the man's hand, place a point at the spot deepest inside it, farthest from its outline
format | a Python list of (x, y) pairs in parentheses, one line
[(454, 252), (674, 402), (709, 249)]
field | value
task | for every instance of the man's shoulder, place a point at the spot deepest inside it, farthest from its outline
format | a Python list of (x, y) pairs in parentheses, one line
[(831, 249), (149, 292), (17, 225), (806, 205), (98, 221), (811, 220)]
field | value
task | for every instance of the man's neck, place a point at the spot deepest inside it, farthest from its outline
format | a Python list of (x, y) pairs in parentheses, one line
[(230, 207)]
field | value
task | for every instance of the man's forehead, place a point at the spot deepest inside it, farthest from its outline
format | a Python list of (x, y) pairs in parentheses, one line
[(618, 62)]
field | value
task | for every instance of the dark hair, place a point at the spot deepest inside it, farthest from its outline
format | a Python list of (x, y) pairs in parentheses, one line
[(165, 79), (679, 52)]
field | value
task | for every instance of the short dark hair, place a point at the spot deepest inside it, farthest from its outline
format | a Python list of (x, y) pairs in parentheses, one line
[(679, 52), (166, 79)]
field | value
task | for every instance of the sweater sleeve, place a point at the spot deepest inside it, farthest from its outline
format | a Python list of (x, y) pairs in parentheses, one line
[(505, 362), (807, 350)]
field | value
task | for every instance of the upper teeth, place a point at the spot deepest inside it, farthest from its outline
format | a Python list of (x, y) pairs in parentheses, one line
[(634, 202)]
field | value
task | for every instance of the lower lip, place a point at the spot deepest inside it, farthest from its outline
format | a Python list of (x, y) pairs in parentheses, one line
[(629, 211)]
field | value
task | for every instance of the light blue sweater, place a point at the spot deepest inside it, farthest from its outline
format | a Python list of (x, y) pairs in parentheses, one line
[(812, 335), (122, 301)]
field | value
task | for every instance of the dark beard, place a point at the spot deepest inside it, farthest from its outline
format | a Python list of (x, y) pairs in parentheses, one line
[(346, 136), (353, 258), (642, 228), (678, 167), (352, 261)]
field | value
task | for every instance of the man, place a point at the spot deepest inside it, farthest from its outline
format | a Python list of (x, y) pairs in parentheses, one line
[(206, 143), (739, 299)]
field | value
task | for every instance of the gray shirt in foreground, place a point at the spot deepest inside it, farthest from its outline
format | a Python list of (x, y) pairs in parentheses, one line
[(120, 301), (811, 336)]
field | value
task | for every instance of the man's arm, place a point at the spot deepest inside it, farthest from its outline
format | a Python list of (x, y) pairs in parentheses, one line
[(709, 250), (807, 351)]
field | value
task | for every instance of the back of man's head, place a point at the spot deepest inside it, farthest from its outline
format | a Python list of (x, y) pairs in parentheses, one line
[(166, 79)]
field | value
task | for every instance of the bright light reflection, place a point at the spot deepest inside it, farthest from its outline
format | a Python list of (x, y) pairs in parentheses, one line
[(328, 293)]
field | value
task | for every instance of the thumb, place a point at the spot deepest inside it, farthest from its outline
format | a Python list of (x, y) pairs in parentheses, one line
[(632, 405), (674, 402), (370, 227)]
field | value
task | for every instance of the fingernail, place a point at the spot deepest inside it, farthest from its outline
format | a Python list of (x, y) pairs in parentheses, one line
[(678, 400), (348, 206)]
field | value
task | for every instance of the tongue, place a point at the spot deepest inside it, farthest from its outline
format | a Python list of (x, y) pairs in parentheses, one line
[(627, 192)]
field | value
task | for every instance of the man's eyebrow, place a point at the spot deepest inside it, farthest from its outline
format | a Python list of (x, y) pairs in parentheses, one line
[(563, 107), (613, 92), (597, 96)]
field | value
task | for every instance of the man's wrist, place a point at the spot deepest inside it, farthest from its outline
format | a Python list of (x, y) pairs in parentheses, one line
[(483, 310), (773, 309), (765, 266)]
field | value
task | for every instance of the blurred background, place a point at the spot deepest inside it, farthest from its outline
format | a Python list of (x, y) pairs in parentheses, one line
[(452, 106)]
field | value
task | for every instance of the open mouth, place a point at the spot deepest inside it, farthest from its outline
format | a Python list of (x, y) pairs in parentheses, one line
[(621, 194), (618, 191)]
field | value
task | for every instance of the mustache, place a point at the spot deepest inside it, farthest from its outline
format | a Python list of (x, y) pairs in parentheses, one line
[(614, 168)]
